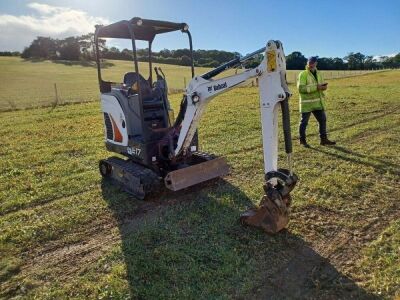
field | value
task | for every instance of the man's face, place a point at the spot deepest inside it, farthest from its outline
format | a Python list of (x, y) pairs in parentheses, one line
[(312, 66)]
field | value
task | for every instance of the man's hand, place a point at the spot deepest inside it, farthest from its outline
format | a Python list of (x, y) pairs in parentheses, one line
[(322, 87)]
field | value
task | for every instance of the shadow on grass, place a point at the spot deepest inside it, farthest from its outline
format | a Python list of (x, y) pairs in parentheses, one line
[(381, 161), (82, 63), (358, 122), (189, 244), (380, 165)]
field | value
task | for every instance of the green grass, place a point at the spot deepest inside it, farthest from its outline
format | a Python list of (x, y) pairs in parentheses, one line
[(66, 234), (30, 84), (383, 256)]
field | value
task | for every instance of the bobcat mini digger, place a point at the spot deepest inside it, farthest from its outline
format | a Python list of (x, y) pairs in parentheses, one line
[(161, 150)]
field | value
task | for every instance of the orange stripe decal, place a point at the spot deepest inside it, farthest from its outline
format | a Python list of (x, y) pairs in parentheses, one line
[(117, 133)]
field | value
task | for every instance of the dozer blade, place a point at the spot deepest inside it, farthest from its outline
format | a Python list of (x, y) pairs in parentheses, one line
[(192, 175)]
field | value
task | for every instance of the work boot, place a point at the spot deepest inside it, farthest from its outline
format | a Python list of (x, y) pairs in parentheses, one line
[(326, 142), (303, 142)]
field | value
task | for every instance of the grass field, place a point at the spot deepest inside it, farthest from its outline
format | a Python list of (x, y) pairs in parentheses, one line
[(65, 233), (31, 83)]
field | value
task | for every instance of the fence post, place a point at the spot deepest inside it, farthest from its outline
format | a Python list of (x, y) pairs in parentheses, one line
[(56, 99), (55, 90)]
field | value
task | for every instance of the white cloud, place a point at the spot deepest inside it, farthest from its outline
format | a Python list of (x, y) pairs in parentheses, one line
[(44, 8), (16, 32), (380, 57)]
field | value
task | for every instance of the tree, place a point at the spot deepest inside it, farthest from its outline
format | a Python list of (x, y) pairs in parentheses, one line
[(391, 62), (369, 62), (295, 61), (165, 53), (325, 63), (254, 62), (127, 54), (41, 47), (339, 64), (355, 61), (69, 49), (178, 53), (87, 46), (186, 60), (9, 53)]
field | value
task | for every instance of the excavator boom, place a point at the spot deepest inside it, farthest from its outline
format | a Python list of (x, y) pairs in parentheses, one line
[(272, 215)]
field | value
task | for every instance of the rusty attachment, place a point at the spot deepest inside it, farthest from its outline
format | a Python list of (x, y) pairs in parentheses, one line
[(272, 214), (194, 174)]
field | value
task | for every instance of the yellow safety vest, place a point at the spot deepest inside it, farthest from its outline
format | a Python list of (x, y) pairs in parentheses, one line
[(310, 98)]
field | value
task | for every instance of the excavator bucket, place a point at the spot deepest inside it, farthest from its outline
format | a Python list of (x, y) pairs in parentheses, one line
[(194, 174), (272, 214)]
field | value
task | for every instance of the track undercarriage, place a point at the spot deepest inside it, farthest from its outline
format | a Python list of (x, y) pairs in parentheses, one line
[(141, 181)]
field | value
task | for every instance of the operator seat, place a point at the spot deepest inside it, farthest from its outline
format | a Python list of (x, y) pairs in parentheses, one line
[(130, 78), (155, 111)]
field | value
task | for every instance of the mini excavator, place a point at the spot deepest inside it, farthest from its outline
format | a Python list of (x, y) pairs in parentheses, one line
[(163, 151)]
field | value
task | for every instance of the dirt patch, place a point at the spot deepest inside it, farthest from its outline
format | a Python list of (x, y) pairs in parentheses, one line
[(324, 267), (308, 275)]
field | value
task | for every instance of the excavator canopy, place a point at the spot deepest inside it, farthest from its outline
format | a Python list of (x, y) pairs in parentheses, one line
[(142, 29), (137, 29)]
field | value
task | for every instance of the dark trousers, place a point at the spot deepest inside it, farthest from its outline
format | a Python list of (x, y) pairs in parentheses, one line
[(321, 118)]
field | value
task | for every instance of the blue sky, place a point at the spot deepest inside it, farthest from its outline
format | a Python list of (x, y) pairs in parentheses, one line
[(324, 28)]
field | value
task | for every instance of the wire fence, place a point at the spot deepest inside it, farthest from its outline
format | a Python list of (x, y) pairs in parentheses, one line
[(293, 75), (47, 93)]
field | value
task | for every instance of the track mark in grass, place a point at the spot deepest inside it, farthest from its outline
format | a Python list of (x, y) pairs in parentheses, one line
[(393, 110), (383, 256), (354, 158), (42, 201), (36, 191)]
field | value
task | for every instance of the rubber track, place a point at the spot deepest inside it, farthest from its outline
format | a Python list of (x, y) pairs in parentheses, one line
[(148, 178)]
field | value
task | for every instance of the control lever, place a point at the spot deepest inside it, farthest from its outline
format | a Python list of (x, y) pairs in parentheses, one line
[(161, 71), (158, 75)]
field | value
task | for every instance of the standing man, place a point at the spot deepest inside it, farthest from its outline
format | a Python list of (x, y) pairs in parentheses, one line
[(311, 88)]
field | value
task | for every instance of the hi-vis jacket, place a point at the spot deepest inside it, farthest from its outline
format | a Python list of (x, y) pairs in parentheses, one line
[(310, 98)]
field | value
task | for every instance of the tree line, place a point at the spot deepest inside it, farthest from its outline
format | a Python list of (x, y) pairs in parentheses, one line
[(82, 48), (353, 61)]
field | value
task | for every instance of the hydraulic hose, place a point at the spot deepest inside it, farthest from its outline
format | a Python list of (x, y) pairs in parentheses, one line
[(286, 125), (286, 132)]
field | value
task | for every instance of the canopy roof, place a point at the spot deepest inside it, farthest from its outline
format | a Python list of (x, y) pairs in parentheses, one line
[(143, 29)]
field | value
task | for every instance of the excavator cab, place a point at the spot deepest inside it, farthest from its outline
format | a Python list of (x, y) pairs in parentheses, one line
[(137, 112)]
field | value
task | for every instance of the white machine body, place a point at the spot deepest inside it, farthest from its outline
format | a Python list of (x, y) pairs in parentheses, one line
[(115, 130), (271, 74)]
